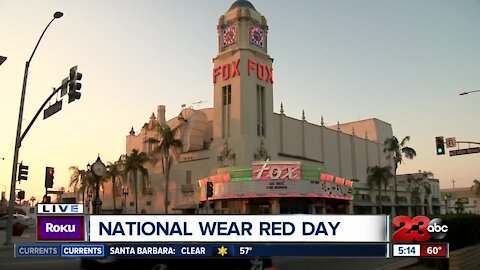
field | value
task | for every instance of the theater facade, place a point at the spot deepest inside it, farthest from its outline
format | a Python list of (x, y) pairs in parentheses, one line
[(256, 160)]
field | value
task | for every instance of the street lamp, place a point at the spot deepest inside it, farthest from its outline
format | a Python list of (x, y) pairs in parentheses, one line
[(468, 92), (18, 139), (89, 196), (125, 194), (99, 170)]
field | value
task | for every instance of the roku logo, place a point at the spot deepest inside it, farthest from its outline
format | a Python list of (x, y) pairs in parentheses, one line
[(50, 227), (419, 229)]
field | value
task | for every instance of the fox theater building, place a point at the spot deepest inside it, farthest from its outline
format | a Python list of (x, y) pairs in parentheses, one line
[(247, 157)]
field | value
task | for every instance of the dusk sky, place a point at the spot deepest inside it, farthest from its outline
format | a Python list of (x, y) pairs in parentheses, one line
[(403, 62)]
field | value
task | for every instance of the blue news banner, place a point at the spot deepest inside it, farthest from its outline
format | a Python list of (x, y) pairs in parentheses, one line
[(377, 250)]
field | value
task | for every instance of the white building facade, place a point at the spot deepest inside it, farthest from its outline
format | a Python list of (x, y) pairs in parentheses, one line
[(258, 161)]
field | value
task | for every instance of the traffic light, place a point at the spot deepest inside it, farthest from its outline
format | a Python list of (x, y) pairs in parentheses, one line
[(209, 189), (23, 172), (73, 85), (440, 145), (21, 195), (46, 199), (49, 175)]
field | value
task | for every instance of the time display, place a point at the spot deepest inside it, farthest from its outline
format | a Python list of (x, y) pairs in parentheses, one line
[(229, 36), (256, 36), (406, 250)]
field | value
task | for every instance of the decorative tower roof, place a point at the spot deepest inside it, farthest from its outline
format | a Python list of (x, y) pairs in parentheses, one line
[(241, 3)]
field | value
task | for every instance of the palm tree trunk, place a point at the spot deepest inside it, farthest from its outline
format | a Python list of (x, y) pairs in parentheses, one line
[(136, 193), (380, 200), (167, 176), (395, 185), (113, 195)]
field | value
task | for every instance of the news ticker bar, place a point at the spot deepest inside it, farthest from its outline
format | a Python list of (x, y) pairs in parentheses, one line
[(376, 250)]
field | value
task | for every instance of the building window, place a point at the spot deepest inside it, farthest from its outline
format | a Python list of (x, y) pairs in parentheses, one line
[(149, 203), (226, 103), (188, 179), (260, 110)]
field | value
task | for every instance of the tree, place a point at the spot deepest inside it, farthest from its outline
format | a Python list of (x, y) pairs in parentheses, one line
[(397, 151), (134, 168), (446, 197), (81, 180), (168, 150), (115, 173), (378, 176), (476, 187), (419, 185), (32, 200)]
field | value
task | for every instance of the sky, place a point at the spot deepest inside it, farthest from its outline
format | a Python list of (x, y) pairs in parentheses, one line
[(404, 62)]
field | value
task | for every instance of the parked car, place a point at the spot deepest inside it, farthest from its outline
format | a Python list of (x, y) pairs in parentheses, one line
[(17, 218)]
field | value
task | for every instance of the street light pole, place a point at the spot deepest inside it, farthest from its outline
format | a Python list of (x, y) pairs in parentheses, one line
[(18, 140), (468, 92)]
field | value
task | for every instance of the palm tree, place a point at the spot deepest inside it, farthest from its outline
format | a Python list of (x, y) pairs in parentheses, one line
[(378, 176), (81, 180), (476, 187), (115, 173), (32, 200), (134, 168), (168, 149), (398, 150), (419, 184)]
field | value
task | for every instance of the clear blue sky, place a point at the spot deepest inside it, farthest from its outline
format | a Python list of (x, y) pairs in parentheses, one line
[(404, 62)]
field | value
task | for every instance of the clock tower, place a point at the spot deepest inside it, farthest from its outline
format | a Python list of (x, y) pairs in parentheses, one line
[(243, 80)]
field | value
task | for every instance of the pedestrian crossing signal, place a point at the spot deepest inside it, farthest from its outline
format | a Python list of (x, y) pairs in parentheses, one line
[(47, 199)]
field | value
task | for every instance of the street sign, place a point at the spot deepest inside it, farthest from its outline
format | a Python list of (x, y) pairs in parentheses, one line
[(58, 192), (63, 90), (52, 109), (451, 142), (465, 151)]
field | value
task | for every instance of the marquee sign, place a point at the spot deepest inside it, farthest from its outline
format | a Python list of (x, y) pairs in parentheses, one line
[(270, 179), (276, 171), (280, 189), (230, 70)]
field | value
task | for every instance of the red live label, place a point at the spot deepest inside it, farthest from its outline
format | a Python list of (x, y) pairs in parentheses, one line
[(433, 250)]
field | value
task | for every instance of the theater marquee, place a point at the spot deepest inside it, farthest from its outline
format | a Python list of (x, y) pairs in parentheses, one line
[(274, 179)]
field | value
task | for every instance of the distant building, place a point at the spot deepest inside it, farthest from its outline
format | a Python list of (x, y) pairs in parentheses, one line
[(460, 200)]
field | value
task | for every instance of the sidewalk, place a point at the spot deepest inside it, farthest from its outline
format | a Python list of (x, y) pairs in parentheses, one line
[(28, 236)]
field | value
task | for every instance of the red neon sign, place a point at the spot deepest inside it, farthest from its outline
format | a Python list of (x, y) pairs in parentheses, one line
[(230, 70)]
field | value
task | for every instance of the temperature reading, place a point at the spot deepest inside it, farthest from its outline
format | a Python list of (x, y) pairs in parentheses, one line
[(433, 250), (245, 250)]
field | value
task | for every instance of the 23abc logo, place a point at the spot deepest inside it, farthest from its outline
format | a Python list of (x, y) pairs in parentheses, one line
[(419, 229)]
